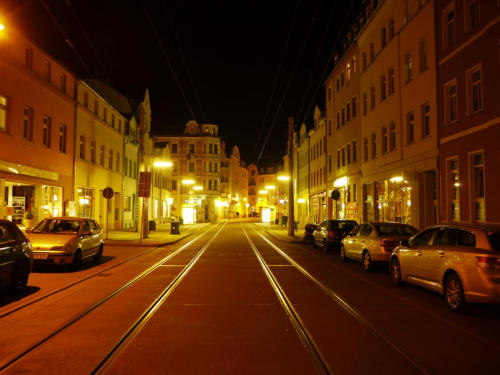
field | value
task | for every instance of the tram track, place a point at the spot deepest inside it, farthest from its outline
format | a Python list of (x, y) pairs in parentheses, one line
[(339, 300), (86, 278), (87, 311)]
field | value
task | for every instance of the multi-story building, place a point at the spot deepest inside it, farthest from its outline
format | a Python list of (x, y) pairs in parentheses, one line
[(301, 172), (398, 112), (100, 129), (318, 198), (238, 185), (468, 52), (37, 114), (130, 169), (196, 179), (344, 133)]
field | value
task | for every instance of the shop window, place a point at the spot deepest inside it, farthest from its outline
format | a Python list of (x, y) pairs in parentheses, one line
[(426, 119), (454, 189), (28, 123), (63, 135), (477, 186), (47, 130), (410, 127), (474, 90), (3, 113), (450, 92)]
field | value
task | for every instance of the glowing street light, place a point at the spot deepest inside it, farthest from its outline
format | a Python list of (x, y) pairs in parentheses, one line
[(188, 182), (2, 27), (162, 164), (270, 187), (198, 188), (283, 178)]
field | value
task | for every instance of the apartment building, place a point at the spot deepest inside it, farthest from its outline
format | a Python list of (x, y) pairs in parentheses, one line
[(301, 176), (37, 112), (468, 54)]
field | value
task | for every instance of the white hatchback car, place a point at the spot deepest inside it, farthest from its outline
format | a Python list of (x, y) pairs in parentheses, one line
[(462, 262)]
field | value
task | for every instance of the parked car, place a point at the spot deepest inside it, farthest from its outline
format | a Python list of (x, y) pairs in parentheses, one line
[(461, 262), (63, 240), (330, 233), (373, 242), (16, 257)]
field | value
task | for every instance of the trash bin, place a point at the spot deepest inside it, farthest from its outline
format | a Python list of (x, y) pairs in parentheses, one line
[(152, 225), (174, 228)]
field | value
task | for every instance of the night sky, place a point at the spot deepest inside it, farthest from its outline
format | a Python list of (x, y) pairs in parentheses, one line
[(233, 51)]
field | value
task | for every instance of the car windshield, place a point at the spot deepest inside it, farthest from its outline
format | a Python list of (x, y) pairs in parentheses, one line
[(58, 226), (495, 240), (395, 230)]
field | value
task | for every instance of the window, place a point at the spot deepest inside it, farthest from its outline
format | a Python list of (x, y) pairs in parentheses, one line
[(337, 82), (390, 76), (383, 37), (354, 193), (348, 112), (342, 79), (329, 127), (28, 123), (216, 149), (449, 28), (47, 130), (372, 98), (191, 148), (125, 167), (329, 163), (422, 53), (28, 58), (118, 162), (354, 152), (210, 167), (338, 120), (96, 107), (82, 147), (392, 137), (174, 148), (191, 167), (3, 113), (426, 119), (86, 99), (343, 157), (48, 71), (382, 87), (365, 149), (348, 71), (391, 28), (410, 127), (105, 114), (374, 146), (477, 186), (110, 159), (343, 116), (408, 68), (475, 91), (364, 61), (372, 52), (348, 154), (92, 151), (450, 92), (329, 94), (354, 64), (63, 131), (338, 159), (471, 14), (63, 83), (113, 120), (454, 189), (384, 139), (354, 107)]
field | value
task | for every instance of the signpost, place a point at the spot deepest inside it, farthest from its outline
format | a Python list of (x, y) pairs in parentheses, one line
[(108, 194), (144, 193)]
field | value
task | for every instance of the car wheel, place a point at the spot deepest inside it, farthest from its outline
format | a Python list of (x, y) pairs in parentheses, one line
[(98, 256), (20, 277), (367, 261), (342, 254), (454, 293), (77, 259), (395, 271)]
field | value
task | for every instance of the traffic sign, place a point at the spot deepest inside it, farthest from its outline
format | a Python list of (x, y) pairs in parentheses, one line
[(144, 184), (108, 193)]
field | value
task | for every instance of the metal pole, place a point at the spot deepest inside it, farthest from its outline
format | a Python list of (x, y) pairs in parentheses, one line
[(291, 220), (107, 218)]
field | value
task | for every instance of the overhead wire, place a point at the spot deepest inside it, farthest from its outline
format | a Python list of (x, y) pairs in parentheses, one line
[(292, 75), (167, 59), (276, 76), (183, 58), (325, 69), (67, 40)]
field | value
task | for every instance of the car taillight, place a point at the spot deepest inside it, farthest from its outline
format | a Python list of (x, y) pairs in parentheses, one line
[(488, 262), (388, 245)]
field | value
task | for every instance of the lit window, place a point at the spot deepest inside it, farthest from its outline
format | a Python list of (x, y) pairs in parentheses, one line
[(477, 185), (454, 189)]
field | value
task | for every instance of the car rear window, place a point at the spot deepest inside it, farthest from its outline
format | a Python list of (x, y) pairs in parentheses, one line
[(495, 240), (395, 230)]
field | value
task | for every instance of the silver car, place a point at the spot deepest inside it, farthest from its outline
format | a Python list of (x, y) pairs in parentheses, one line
[(462, 262), (373, 242)]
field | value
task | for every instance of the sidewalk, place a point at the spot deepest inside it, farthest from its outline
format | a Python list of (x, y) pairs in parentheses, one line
[(281, 233), (161, 236)]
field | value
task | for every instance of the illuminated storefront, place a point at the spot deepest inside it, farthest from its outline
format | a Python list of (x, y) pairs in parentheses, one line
[(85, 202)]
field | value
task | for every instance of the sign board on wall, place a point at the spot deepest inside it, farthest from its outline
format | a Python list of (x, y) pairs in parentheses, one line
[(144, 184)]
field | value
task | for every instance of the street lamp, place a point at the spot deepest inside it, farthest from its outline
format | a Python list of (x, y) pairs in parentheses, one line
[(2, 27)]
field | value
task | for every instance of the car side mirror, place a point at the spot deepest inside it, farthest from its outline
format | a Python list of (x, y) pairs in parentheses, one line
[(405, 243)]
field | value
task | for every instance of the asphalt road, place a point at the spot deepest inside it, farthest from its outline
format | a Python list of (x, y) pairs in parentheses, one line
[(235, 300)]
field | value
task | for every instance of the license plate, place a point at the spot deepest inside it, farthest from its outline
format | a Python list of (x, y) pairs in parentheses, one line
[(39, 256)]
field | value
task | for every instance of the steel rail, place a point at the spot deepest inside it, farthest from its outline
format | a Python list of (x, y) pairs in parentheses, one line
[(346, 306), (45, 296), (305, 337), (142, 321), (88, 310)]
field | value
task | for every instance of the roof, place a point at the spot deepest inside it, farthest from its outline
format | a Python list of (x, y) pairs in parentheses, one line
[(120, 102)]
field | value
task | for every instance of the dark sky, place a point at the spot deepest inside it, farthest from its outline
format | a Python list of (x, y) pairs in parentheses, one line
[(232, 49)]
